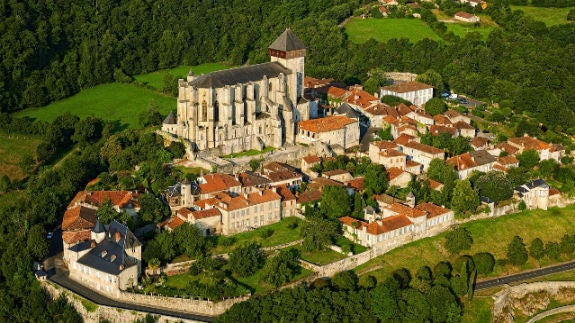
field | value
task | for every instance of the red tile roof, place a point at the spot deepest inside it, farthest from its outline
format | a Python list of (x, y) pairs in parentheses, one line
[(387, 224), (336, 92), (391, 153), (79, 218), (553, 191), (326, 124), (206, 202), (285, 193), (435, 130), (527, 142), (432, 210), (283, 176), (72, 237), (309, 196), (321, 182), (218, 182), (507, 147), (424, 148), (435, 185), (403, 139), (231, 203), (171, 223), (463, 14), (356, 183), (406, 210), (384, 144), (411, 163), (335, 172), (393, 173), (96, 198), (207, 213), (479, 142), (461, 162), (312, 159), (463, 125), (508, 160)]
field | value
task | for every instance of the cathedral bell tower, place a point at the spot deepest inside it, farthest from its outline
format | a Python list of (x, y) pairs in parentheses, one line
[(289, 51)]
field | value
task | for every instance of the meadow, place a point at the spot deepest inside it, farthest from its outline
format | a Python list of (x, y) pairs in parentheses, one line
[(120, 102), (489, 235), (14, 151), (550, 16), (360, 30), (462, 29)]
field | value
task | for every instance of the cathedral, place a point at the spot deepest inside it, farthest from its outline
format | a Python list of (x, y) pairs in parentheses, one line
[(249, 107)]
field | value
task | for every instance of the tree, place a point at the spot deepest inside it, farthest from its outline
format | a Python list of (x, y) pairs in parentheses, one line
[(537, 249), (414, 306), (568, 244), (106, 212), (440, 171), (282, 268), (516, 252), (495, 186), (571, 15), (385, 134), (246, 260), (465, 199), (459, 145), (150, 117), (552, 250), (457, 240), (548, 167), (335, 201), (383, 301), (432, 78), (528, 159), (319, 233), (435, 106), (255, 164), (345, 280), (4, 183), (36, 244), (375, 181), (484, 262), (151, 208), (189, 240)]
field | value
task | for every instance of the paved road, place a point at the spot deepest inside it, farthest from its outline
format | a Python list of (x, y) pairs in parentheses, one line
[(525, 275), (562, 309), (99, 299)]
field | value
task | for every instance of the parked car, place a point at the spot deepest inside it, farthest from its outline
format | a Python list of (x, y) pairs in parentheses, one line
[(49, 235)]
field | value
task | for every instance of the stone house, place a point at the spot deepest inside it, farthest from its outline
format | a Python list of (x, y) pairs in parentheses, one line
[(421, 153), (456, 116), (466, 163), (466, 17), (535, 194), (333, 130), (544, 150), (339, 175), (219, 182), (464, 129), (109, 262), (398, 177), (414, 92), (387, 154), (122, 201), (281, 174)]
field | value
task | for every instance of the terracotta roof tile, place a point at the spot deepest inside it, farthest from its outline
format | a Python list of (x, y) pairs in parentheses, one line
[(361, 98), (309, 196), (463, 125), (248, 179), (477, 142), (507, 147), (424, 148), (283, 176), (312, 159), (434, 185), (207, 213), (441, 120), (527, 142), (326, 124), (231, 203), (384, 144), (96, 198), (393, 173), (403, 139), (206, 202), (553, 191), (335, 172), (411, 163), (218, 182), (391, 153), (336, 92), (357, 183), (463, 14), (508, 160), (72, 237), (432, 210), (79, 218), (171, 223), (285, 193), (406, 210), (435, 130), (321, 182)]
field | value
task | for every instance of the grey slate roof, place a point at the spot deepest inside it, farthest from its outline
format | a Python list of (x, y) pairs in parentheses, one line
[(98, 227), (100, 257), (349, 112), (244, 74), (482, 157), (287, 41), (170, 119)]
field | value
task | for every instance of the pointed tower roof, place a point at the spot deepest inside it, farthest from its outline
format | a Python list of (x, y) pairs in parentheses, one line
[(170, 119), (98, 227), (287, 41)]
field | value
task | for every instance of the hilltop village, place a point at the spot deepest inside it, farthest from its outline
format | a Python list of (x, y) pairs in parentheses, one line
[(386, 171)]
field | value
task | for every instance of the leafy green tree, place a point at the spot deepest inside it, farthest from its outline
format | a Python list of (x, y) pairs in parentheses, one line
[(88, 131), (335, 201), (413, 306), (516, 252), (106, 212), (459, 145), (37, 245), (444, 305), (548, 167), (537, 249), (528, 159), (384, 299), (246, 260), (150, 117), (4, 183), (459, 284), (484, 262), (255, 164), (465, 199), (385, 133), (151, 208), (438, 170), (375, 181), (435, 106), (282, 268), (189, 240), (345, 280), (495, 186), (319, 233), (552, 250), (432, 78), (458, 240), (567, 244)]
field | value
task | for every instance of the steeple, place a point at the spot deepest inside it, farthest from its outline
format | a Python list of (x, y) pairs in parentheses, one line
[(286, 43), (289, 51)]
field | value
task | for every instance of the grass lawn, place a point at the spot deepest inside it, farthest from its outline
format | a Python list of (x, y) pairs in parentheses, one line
[(195, 171), (179, 281), (462, 29), (550, 16), (492, 235), (343, 242), (281, 234), (259, 287), (113, 101), (360, 30), (478, 310), (251, 152), (13, 150), (156, 79), (322, 257)]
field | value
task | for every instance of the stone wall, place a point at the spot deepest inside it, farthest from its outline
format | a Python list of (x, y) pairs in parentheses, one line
[(100, 313), (505, 302)]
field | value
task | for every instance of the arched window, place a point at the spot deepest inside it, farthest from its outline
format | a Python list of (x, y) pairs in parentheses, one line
[(204, 111)]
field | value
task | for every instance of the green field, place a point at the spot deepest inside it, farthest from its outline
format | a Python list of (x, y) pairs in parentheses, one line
[(118, 101), (491, 235), (360, 30), (114, 101), (462, 29), (14, 149), (156, 79), (550, 16)]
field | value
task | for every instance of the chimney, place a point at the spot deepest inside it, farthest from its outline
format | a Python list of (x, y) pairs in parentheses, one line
[(92, 244), (112, 258), (103, 253), (117, 236), (121, 267)]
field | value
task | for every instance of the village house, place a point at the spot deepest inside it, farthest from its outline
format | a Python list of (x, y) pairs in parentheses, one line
[(414, 92), (464, 129), (77, 225), (387, 154), (466, 163), (504, 163), (398, 177), (466, 17), (252, 182), (535, 194), (456, 116), (308, 162), (219, 182), (181, 194), (208, 220), (421, 153), (122, 201), (109, 262), (544, 150), (339, 175), (333, 130), (281, 174), (479, 143)]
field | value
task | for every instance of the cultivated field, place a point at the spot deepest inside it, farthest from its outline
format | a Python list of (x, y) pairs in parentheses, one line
[(14, 149), (550, 16), (156, 79), (360, 30), (489, 235)]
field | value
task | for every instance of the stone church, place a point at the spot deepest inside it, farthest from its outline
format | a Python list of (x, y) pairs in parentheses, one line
[(248, 107)]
